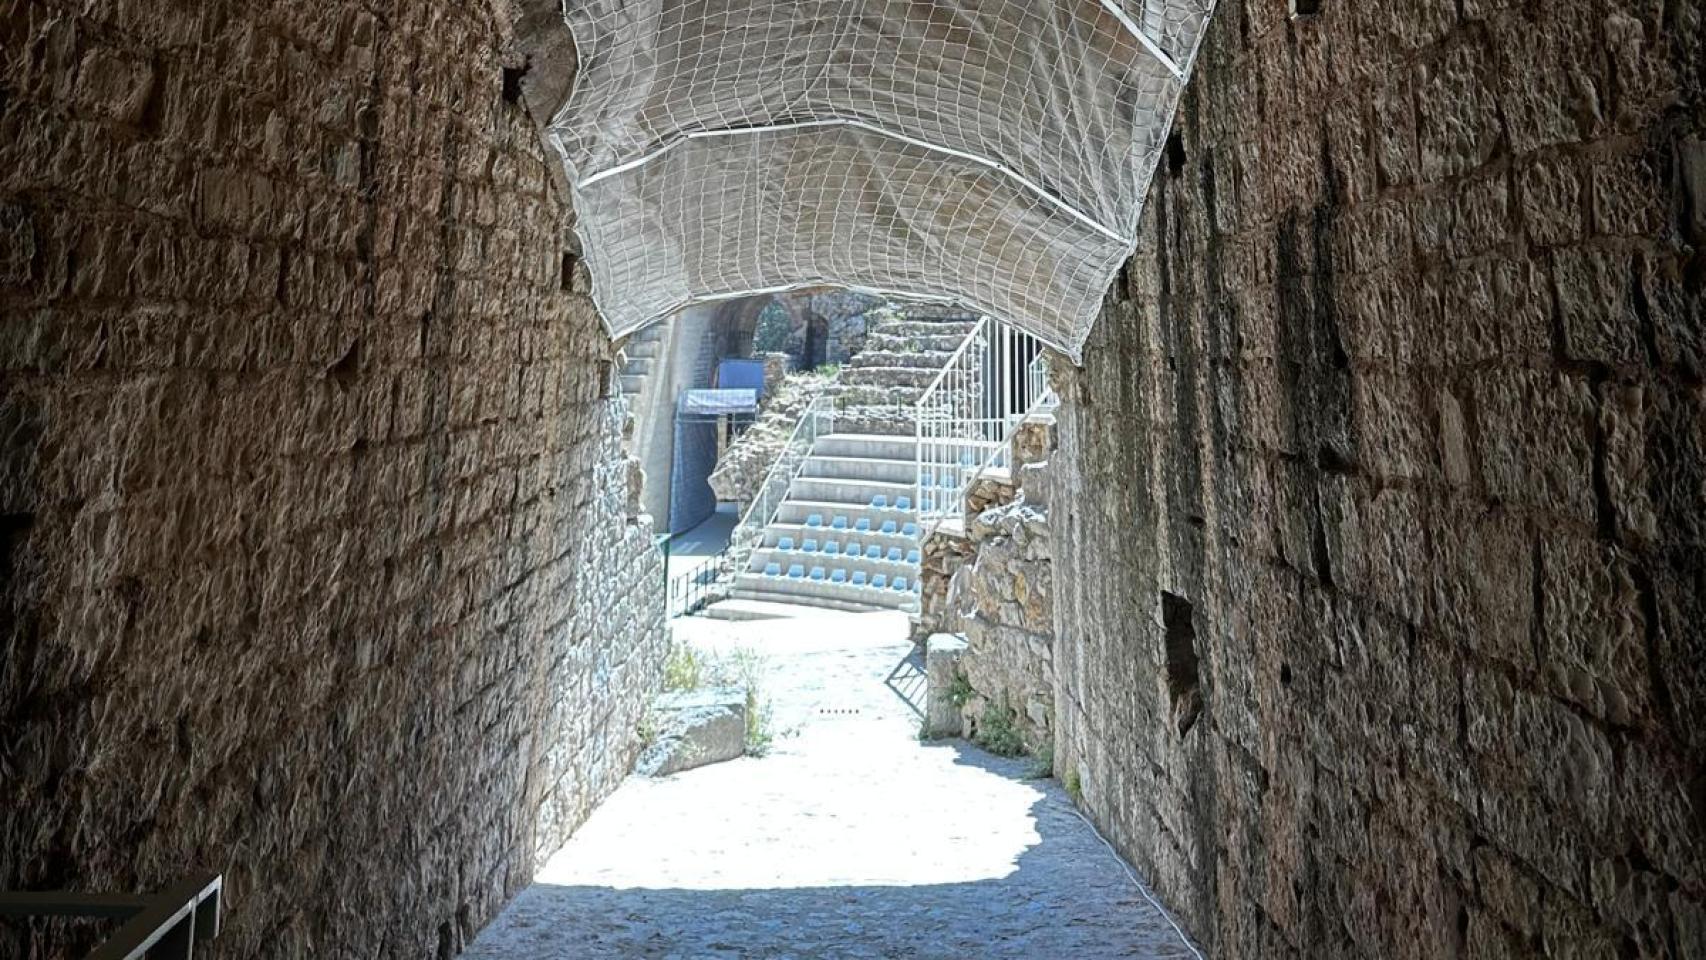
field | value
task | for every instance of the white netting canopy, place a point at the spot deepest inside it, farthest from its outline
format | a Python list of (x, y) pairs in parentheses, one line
[(991, 152)]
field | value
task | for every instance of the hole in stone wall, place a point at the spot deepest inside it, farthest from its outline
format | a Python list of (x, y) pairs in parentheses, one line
[(1305, 8), (604, 380), (512, 83), (1285, 674), (1182, 680), (1175, 153), (569, 261)]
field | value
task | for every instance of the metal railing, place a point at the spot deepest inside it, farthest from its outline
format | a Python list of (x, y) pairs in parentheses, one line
[(164, 926), (966, 416), (817, 420), (695, 588)]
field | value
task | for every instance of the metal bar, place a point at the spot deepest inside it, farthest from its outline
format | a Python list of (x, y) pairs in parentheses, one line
[(1155, 51), (1047, 195), (64, 903), (155, 925)]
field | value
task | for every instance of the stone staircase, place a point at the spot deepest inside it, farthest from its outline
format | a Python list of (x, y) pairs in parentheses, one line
[(643, 354), (856, 489)]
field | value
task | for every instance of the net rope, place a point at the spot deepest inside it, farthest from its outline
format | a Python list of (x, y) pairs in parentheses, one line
[(992, 153)]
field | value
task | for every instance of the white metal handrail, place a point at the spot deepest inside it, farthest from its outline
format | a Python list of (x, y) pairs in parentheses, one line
[(817, 420), (965, 418), (168, 924)]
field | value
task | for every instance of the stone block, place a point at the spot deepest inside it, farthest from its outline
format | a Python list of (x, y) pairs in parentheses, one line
[(1594, 647), (695, 729), (942, 654), (1536, 446)]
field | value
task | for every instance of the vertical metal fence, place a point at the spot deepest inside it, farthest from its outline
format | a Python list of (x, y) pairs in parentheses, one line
[(967, 414)]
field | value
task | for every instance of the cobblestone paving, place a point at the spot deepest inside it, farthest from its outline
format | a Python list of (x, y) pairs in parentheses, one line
[(849, 840)]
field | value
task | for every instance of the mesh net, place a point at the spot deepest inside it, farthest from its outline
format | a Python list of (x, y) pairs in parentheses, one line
[(991, 152)]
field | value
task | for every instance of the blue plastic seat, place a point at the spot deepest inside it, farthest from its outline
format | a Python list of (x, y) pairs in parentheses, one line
[(838, 575), (912, 556), (810, 546), (815, 520), (863, 525), (926, 479), (888, 526), (880, 580), (859, 578), (874, 552), (832, 548), (903, 503), (817, 574), (910, 530), (894, 554), (772, 569), (839, 524), (796, 571), (880, 501), (785, 543), (899, 583), (926, 504)]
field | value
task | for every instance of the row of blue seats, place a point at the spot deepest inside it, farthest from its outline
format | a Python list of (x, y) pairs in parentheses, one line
[(831, 548), (863, 525), (798, 572), (881, 502)]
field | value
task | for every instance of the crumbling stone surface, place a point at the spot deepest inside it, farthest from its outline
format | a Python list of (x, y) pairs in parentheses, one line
[(1377, 540), (315, 554), (1002, 598), (739, 474), (695, 728)]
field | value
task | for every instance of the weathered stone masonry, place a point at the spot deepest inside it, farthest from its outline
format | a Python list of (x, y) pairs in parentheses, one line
[(311, 515), (1380, 596)]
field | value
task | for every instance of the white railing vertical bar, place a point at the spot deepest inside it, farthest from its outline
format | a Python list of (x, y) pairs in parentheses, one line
[(817, 420), (965, 418)]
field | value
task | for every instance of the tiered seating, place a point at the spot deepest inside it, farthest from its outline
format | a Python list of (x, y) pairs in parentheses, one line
[(846, 534)]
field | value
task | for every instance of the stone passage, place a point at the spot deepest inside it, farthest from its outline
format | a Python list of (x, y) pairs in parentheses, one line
[(1389, 457), (850, 839), (306, 483)]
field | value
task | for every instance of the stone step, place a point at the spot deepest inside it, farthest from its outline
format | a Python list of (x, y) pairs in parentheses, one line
[(798, 511), (916, 328), (844, 491), (638, 366), (860, 468), (644, 348), (942, 344), (633, 382), (800, 533), (787, 558), (933, 359), (748, 610), (881, 446), (752, 586)]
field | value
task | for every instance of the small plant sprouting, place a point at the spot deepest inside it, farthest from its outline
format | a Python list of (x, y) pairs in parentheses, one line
[(998, 733), (960, 691)]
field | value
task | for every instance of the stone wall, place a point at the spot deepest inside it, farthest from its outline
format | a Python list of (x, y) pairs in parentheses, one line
[(306, 486), (991, 580), (1379, 536)]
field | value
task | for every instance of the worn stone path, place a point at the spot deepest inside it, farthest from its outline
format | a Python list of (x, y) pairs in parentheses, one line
[(850, 839)]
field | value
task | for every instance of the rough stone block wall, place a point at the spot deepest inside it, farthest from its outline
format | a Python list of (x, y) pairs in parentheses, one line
[(1379, 532), (1000, 596), (309, 511)]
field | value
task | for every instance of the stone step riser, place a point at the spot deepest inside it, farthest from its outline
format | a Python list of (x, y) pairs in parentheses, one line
[(833, 596), (830, 561)]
